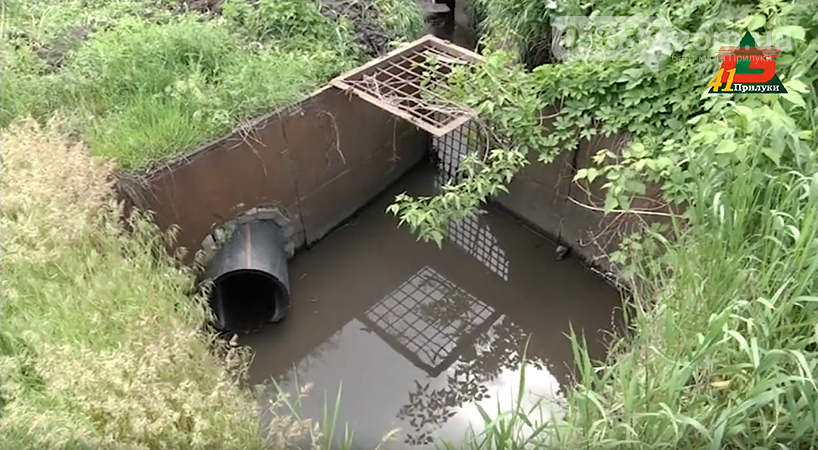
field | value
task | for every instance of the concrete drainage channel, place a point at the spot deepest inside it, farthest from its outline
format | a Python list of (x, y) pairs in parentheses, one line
[(247, 256), (370, 295)]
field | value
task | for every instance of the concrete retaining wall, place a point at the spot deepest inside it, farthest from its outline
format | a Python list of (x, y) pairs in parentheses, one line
[(319, 161), (546, 198)]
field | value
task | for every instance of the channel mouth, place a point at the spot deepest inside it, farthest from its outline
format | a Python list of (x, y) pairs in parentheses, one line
[(250, 278), (416, 337)]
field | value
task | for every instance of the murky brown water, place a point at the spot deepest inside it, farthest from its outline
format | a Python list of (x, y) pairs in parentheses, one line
[(419, 335)]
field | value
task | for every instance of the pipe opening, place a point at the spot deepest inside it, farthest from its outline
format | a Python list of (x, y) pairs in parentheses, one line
[(248, 268), (247, 299)]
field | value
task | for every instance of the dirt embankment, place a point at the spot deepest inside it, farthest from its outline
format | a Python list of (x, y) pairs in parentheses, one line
[(54, 51)]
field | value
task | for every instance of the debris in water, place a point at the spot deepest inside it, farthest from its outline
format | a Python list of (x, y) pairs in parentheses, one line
[(561, 252)]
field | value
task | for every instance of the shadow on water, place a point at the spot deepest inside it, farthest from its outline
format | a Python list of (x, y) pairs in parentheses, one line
[(419, 335)]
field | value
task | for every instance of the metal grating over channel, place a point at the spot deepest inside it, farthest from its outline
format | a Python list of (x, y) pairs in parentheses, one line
[(469, 234), (403, 84), (426, 317), (451, 148), (477, 240)]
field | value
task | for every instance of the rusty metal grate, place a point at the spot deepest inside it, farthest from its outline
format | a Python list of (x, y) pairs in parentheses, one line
[(477, 240), (404, 84), (451, 148)]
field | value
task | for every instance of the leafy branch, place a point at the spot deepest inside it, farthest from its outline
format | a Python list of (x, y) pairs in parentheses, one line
[(510, 110)]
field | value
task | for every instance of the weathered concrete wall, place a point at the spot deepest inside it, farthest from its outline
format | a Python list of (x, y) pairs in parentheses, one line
[(319, 161), (546, 197), (588, 231), (537, 194)]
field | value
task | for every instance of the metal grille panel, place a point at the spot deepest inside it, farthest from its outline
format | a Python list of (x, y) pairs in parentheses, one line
[(404, 85), (451, 148), (478, 241), (468, 234)]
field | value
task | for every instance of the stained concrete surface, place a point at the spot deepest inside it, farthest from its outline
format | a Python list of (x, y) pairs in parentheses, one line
[(417, 336), (310, 160)]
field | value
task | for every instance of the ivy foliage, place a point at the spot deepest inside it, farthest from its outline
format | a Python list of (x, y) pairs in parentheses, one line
[(721, 346), (677, 135), (512, 102)]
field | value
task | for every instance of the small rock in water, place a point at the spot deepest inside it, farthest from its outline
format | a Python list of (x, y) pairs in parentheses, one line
[(561, 252)]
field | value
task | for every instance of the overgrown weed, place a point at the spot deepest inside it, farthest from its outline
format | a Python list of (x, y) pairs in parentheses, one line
[(101, 345), (402, 17)]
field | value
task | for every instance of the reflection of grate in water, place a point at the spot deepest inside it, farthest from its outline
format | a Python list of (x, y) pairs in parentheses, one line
[(480, 243), (426, 317)]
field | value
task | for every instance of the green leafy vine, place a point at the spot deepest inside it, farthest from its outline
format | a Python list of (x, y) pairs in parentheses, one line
[(675, 134)]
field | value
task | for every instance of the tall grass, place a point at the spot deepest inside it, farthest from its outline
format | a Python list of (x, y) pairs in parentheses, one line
[(141, 83), (725, 350), (186, 83), (101, 345), (401, 17)]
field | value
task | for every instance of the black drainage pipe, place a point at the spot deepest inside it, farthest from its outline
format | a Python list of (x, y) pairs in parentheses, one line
[(251, 286)]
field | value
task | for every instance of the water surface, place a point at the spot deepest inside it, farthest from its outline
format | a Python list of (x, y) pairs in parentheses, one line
[(418, 336)]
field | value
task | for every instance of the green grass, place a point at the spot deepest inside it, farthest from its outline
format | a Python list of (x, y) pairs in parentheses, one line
[(725, 349), (142, 82), (403, 18), (101, 345)]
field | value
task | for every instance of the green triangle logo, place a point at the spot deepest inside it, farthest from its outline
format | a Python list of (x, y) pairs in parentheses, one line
[(742, 66), (747, 40)]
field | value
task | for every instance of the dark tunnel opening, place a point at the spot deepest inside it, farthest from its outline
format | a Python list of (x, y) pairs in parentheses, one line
[(443, 24), (457, 25), (251, 286), (245, 300)]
